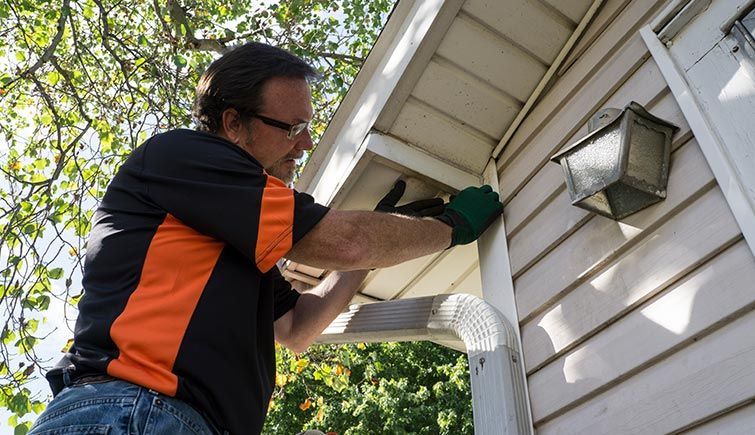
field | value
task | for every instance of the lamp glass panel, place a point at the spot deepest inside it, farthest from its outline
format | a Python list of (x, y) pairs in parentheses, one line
[(597, 203), (748, 21), (626, 200), (646, 156), (595, 161)]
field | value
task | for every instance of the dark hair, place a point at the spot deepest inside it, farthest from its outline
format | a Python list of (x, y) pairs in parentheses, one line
[(236, 80)]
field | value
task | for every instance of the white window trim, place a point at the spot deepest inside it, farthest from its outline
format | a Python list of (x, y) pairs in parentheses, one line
[(725, 161)]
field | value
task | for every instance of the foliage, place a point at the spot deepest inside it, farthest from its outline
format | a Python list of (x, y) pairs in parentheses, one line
[(82, 83), (396, 388)]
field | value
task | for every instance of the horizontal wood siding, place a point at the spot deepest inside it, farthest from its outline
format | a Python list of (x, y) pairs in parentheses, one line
[(739, 421), (638, 326), (716, 372), (676, 317)]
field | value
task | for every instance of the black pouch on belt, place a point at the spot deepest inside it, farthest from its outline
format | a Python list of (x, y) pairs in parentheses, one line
[(60, 376)]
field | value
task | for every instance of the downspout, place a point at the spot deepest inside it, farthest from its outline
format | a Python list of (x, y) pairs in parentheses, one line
[(461, 321), (547, 77)]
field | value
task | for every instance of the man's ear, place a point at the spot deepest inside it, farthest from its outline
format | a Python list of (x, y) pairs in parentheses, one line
[(232, 126)]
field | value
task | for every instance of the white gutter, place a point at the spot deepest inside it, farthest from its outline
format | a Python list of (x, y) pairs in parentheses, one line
[(547, 77), (461, 321)]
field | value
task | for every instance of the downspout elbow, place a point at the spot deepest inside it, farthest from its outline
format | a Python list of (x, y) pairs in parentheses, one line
[(460, 321)]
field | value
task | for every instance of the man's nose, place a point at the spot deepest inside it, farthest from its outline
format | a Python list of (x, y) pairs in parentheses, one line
[(305, 142)]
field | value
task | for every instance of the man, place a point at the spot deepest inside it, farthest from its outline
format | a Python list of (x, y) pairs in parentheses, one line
[(183, 299)]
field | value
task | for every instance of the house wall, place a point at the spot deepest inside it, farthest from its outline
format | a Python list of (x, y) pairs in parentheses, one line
[(638, 326)]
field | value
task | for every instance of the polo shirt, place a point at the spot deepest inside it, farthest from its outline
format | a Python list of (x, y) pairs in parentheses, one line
[(181, 286)]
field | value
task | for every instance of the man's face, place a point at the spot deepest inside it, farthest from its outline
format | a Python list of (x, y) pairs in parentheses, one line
[(288, 100)]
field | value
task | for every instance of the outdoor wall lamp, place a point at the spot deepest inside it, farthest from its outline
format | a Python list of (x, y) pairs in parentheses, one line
[(621, 166)]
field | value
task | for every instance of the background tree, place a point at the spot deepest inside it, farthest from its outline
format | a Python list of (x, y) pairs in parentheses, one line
[(82, 83), (386, 388)]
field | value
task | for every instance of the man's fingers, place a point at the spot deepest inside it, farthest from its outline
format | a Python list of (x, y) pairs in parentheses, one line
[(391, 198), (423, 203), (432, 211), (421, 208)]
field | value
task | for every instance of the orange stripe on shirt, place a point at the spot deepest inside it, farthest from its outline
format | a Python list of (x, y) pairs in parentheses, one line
[(150, 329), (275, 232)]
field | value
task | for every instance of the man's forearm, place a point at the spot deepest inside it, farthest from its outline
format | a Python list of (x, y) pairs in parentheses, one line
[(317, 307), (401, 239), (348, 240)]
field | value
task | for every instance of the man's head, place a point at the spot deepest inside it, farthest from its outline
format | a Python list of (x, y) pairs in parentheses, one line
[(258, 96)]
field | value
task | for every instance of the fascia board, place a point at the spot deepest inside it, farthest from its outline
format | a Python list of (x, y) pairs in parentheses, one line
[(342, 144)]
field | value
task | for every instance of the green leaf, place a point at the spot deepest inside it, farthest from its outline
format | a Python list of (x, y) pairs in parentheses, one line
[(20, 404), (7, 335), (38, 407), (53, 77), (179, 61), (22, 428), (43, 302), (55, 273), (26, 344), (32, 325), (29, 304)]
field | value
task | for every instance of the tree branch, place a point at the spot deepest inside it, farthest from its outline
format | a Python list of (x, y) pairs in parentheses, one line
[(65, 10), (181, 21), (353, 59)]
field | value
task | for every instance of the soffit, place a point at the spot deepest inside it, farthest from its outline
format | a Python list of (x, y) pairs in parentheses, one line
[(477, 65)]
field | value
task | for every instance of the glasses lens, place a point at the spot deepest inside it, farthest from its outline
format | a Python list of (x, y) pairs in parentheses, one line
[(297, 129)]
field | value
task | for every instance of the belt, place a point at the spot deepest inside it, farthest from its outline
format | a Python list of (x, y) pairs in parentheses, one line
[(94, 379)]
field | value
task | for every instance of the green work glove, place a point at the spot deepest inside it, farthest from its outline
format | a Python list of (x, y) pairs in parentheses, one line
[(470, 213), (423, 208)]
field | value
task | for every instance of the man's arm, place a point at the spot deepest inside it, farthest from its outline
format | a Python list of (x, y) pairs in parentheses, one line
[(316, 308), (352, 240), (345, 240)]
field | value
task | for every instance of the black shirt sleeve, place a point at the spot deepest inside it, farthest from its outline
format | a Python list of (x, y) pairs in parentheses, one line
[(218, 189), (285, 295)]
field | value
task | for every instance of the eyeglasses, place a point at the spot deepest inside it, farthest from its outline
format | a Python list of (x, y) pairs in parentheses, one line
[(293, 129)]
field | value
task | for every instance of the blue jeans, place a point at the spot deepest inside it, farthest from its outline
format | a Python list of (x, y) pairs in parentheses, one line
[(118, 407)]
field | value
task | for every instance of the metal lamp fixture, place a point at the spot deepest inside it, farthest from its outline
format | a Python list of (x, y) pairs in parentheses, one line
[(622, 165)]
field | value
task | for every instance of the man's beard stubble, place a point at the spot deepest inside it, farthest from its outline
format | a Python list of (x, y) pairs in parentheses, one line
[(280, 170)]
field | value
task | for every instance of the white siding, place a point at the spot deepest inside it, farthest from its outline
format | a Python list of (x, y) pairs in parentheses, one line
[(638, 326), (739, 421)]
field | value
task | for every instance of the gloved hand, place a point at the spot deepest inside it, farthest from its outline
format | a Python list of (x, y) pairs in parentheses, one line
[(470, 213), (422, 208)]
